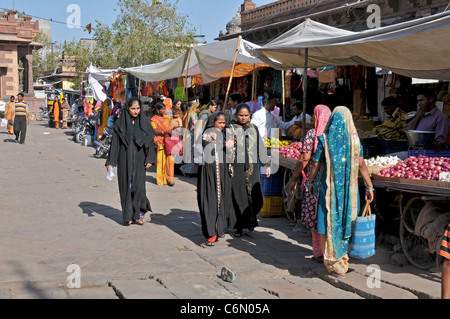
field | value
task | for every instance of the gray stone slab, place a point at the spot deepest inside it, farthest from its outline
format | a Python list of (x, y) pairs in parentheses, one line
[(140, 289), (196, 286), (92, 293)]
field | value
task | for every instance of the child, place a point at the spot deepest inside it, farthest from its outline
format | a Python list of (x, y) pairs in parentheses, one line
[(176, 122)]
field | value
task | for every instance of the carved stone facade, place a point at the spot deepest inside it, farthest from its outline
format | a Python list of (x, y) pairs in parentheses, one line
[(263, 24), (16, 45)]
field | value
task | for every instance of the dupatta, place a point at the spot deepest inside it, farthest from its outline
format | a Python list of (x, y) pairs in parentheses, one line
[(162, 124), (342, 153)]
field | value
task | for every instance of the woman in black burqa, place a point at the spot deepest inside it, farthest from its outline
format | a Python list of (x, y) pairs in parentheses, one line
[(247, 196), (132, 152), (214, 180)]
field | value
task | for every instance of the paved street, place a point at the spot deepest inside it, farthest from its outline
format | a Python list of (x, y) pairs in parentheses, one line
[(58, 209)]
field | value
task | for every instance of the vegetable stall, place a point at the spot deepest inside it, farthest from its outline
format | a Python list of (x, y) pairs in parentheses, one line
[(421, 181)]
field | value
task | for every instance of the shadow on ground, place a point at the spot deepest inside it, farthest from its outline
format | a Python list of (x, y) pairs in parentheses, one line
[(91, 209)]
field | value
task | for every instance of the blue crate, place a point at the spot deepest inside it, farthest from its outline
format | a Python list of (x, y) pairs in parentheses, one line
[(428, 153), (273, 186), (393, 146)]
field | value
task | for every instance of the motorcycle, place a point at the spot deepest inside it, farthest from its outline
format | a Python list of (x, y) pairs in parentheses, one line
[(104, 144), (87, 128), (42, 114)]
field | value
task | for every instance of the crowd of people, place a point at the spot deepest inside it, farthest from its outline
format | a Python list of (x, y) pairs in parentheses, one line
[(225, 149)]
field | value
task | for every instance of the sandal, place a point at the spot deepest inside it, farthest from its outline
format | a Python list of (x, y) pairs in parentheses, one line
[(208, 244), (127, 223), (140, 222), (238, 233), (228, 275)]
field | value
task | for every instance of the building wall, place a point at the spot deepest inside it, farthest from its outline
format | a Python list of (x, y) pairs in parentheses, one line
[(9, 63)]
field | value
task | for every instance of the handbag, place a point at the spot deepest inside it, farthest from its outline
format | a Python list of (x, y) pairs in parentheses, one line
[(363, 240), (173, 145)]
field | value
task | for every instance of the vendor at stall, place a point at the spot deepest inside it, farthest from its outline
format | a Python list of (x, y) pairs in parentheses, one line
[(430, 118), (266, 121), (392, 109)]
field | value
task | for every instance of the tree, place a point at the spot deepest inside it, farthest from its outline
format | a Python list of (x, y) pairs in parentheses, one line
[(144, 33)]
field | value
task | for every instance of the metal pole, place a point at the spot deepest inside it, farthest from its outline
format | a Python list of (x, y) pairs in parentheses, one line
[(305, 92)]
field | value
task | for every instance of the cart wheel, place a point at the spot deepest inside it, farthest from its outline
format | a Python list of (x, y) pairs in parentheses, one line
[(291, 216), (415, 247)]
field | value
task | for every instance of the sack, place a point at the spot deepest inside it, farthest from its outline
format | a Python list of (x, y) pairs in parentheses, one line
[(4, 122), (173, 145), (363, 240)]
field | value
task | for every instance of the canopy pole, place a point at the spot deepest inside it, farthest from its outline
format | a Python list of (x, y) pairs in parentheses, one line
[(186, 91), (283, 79), (232, 73), (253, 82), (305, 93)]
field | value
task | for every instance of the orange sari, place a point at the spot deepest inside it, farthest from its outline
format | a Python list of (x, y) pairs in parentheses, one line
[(165, 165)]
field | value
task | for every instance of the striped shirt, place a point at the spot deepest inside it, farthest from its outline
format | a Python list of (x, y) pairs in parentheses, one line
[(20, 109), (445, 248)]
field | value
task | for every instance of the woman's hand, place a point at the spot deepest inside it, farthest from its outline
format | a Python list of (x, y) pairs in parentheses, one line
[(268, 172), (147, 166), (292, 187), (370, 196)]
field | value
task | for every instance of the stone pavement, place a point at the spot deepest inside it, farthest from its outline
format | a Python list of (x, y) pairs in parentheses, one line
[(58, 209)]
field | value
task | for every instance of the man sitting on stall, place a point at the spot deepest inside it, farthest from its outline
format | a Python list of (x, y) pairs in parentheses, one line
[(430, 118)]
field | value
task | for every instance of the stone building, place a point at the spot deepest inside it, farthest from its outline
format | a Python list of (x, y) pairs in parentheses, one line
[(263, 24), (16, 55)]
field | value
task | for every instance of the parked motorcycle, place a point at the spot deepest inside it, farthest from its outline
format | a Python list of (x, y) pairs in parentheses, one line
[(87, 129), (104, 144), (42, 114)]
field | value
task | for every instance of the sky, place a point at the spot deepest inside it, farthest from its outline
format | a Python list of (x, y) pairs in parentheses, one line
[(208, 17)]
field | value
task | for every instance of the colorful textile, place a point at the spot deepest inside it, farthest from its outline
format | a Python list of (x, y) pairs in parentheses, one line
[(322, 114), (445, 247), (165, 165), (340, 150)]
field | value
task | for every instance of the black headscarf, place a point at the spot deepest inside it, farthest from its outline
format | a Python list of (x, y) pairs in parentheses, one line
[(140, 133), (236, 119), (212, 120)]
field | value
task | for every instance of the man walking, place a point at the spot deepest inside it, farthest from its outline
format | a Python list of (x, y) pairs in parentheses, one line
[(21, 119)]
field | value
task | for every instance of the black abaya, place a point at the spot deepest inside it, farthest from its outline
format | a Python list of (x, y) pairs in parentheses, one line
[(214, 188), (247, 196), (132, 148)]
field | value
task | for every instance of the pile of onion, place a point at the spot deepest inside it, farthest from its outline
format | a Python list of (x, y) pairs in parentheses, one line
[(292, 151), (422, 167)]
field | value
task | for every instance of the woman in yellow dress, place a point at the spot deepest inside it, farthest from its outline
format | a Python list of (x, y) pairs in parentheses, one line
[(165, 165)]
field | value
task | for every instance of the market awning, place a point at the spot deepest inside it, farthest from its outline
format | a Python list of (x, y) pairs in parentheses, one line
[(417, 48), (216, 59)]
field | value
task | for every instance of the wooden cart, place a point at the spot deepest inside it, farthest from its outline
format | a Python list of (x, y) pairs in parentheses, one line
[(416, 194)]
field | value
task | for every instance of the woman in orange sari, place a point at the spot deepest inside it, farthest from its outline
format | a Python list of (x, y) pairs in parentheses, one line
[(8, 114), (165, 165)]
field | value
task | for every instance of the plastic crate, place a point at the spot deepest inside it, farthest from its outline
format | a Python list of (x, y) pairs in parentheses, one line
[(393, 146), (273, 186), (428, 153), (273, 207)]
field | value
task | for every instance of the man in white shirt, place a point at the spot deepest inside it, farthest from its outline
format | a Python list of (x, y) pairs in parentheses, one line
[(266, 121)]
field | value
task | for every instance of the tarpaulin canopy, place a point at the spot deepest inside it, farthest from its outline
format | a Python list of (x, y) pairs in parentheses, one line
[(216, 59), (419, 48)]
